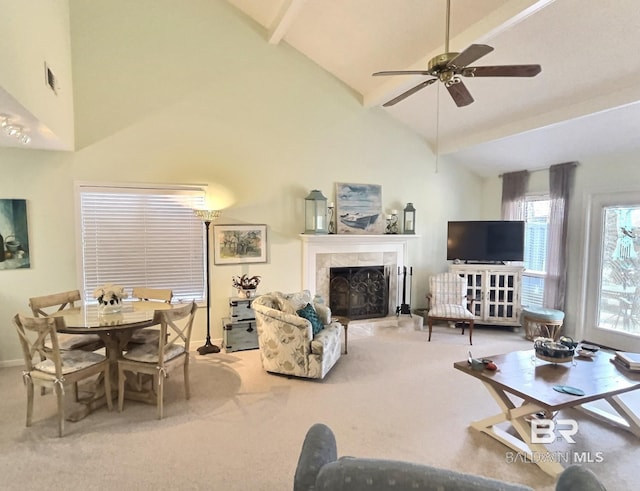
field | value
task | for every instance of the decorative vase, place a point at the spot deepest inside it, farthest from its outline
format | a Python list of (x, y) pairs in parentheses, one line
[(247, 292), (109, 306)]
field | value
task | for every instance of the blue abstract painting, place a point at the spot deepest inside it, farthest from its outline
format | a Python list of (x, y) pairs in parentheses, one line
[(14, 234)]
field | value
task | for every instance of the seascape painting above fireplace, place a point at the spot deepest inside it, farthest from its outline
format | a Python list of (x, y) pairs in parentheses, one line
[(359, 209)]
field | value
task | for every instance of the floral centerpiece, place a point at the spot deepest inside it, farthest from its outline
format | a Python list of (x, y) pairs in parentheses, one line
[(109, 298), (246, 285)]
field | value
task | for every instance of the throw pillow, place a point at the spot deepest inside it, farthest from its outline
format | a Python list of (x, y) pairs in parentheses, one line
[(309, 313)]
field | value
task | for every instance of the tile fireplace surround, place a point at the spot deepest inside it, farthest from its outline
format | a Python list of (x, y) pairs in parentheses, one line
[(320, 253)]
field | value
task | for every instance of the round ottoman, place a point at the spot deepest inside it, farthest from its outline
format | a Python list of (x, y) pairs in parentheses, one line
[(538, 321)]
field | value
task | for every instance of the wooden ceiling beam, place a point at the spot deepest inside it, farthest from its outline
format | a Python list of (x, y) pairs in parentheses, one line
[(289, 10)]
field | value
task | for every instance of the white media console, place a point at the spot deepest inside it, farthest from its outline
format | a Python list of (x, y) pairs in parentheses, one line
[(496, 290)]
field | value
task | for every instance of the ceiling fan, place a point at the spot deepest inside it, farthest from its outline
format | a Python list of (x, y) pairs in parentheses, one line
[(449, 67)]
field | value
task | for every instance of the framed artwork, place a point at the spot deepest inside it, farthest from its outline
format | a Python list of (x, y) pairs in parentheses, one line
[(14, 234), (239, 244), (359, 209)]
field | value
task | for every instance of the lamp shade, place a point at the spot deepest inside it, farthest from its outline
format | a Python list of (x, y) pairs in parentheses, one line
[(207, 215), (409, 219), (315, 208)]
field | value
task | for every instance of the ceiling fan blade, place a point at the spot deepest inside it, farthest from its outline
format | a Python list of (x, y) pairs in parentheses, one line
[(460, 94), (409, 92), (402, 72), (469, 55), (502, 71)]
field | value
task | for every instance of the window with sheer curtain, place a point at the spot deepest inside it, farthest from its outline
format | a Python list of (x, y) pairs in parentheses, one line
[(141, 236)]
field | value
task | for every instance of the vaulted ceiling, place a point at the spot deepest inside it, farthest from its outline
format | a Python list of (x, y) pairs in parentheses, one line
[(585, 102)]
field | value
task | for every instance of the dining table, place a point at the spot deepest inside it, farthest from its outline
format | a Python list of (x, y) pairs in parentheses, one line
[(115, 330)]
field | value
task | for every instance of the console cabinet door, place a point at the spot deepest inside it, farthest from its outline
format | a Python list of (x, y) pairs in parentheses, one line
[(496, 291)]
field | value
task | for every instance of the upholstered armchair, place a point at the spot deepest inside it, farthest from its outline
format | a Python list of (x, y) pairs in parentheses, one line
[(286, 338)]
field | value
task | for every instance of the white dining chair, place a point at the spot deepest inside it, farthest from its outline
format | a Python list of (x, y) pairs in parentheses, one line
[(46, 305), (158, 359), (47, 366)]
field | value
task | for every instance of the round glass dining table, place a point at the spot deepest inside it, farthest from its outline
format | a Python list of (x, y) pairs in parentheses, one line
[(115, 330)]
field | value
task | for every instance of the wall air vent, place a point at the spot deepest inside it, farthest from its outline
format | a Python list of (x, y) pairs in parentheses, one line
[(50, 78)]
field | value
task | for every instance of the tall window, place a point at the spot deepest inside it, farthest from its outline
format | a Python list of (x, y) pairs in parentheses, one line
[(141, 236), (619, 303), (536, 215)]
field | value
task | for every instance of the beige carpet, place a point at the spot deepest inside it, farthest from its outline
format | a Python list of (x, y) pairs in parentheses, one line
[(393, 396)]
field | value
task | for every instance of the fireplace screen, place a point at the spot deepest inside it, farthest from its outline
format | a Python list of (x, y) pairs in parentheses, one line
[(359, 292)]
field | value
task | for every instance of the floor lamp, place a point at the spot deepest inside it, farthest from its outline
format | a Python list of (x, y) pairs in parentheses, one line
[(207, 216)]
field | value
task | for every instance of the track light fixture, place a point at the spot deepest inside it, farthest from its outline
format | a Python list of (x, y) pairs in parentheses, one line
[(14, 130)]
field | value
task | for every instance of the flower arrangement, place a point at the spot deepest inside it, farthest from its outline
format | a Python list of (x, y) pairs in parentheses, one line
[(245, 282), (110, 297), (246, 285)]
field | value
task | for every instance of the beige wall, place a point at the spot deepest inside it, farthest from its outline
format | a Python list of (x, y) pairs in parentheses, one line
[(35, 32), (168, 94)]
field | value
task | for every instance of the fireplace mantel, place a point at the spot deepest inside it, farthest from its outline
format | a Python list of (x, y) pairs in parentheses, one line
[(356, 239), (339, 246)]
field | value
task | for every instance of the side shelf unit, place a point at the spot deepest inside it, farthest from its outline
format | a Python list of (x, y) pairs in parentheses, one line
[(239, 329), (496, 290)]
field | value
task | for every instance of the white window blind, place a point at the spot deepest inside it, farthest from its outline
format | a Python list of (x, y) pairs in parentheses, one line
[(142, 237), (537, 208)]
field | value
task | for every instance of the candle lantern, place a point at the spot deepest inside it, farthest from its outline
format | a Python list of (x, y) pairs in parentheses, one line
[(409, 219), (315, 207)]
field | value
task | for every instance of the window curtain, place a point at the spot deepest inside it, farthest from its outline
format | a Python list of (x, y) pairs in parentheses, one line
[(561, 178), (514, 189)]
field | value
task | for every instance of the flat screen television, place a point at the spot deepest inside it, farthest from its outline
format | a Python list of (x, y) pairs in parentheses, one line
[(485, 241)]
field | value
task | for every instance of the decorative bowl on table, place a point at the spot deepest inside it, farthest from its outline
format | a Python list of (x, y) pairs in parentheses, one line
[(568, 341), (549, 350)]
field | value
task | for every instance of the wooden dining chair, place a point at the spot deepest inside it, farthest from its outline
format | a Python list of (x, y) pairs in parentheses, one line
[(151, 294), (141, 293), (158, 359), (52, 367), (49, 304)]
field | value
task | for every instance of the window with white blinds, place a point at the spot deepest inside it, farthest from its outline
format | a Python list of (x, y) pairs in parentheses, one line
[(135, 236), (537, 209)]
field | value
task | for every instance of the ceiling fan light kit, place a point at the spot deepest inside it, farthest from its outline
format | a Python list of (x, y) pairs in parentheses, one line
[(448, 67)]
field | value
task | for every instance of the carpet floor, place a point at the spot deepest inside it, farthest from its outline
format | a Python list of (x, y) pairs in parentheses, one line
[(394, 395)]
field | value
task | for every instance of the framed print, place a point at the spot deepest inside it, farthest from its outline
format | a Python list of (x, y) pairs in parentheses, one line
[(14, 234), (359, 209), (239, 244)]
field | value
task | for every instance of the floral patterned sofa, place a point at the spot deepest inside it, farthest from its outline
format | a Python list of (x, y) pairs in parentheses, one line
[(286, 340)]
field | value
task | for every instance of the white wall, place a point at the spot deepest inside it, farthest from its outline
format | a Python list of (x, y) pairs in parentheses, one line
[(190, 92), (604, 173), (32, 33)]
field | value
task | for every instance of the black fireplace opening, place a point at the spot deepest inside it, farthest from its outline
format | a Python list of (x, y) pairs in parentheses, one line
[(359, 292)]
